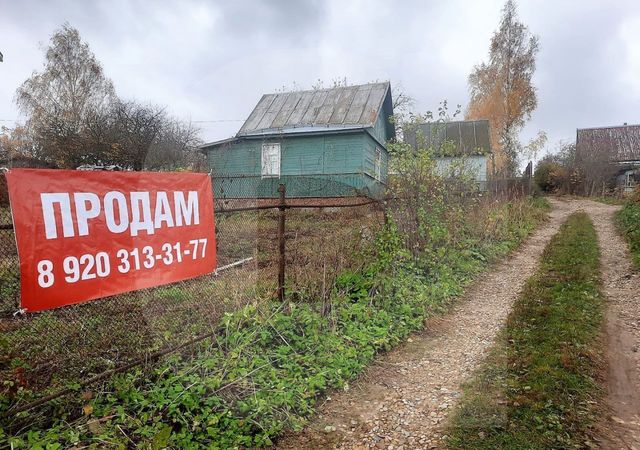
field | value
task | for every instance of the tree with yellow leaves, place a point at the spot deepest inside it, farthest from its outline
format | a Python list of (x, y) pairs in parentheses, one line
[(502, 90)]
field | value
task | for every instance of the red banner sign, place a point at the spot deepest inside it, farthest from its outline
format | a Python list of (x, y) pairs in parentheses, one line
[(84, 235)]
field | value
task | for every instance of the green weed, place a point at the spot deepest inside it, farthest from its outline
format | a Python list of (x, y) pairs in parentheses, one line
[(628, 219)]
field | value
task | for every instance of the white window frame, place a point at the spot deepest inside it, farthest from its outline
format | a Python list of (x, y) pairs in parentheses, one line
[(630, 182), (271, 160), (377, 164)]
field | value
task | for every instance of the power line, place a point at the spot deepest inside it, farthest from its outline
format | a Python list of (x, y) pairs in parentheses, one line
[(215, 121), (192, 121)]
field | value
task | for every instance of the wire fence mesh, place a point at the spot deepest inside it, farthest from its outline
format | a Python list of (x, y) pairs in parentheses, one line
[(327, 222), (44, 353)]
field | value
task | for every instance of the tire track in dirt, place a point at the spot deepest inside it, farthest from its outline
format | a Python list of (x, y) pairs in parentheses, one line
[(620, 428), (402, 401)]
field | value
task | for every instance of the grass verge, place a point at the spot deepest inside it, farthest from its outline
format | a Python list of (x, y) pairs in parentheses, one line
[(629, 224), (538, 387), (269, 363), (608, 200)]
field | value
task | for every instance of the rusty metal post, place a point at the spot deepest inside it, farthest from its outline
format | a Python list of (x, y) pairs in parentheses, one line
[(281, 241)]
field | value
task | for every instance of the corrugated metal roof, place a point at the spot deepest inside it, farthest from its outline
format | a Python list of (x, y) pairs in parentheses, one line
[(468, 136), (620, 143), (348, 106)]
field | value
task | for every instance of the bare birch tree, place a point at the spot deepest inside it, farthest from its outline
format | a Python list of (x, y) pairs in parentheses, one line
[(59, 99)]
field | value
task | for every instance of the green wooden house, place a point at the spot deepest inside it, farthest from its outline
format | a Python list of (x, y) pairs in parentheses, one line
[(320, 143)]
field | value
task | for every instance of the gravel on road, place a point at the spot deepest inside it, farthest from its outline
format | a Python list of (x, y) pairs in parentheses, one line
[(620, 428), (403, 400)]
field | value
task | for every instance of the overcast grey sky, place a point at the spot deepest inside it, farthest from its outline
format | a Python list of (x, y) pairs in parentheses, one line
[(211, 61)]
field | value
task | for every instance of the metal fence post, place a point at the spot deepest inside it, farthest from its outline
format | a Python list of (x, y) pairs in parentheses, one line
[(281, 241)]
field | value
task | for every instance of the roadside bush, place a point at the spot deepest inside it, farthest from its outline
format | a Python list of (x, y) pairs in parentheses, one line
[(629, 224), (559, 173), (549, 176)]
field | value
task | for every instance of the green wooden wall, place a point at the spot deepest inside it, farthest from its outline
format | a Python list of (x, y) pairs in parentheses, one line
[(380, 129), (311, 166)]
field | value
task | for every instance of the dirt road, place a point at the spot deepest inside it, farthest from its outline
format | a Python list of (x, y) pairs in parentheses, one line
[(402, 401), (620, 428)]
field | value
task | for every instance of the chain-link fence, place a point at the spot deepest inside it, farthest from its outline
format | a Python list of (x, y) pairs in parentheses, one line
[(45, 354), (322, 186), (327, 222)]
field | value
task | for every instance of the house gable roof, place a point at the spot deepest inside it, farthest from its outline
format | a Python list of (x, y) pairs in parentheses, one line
[(468, 137), (620, 143), (350, 107)]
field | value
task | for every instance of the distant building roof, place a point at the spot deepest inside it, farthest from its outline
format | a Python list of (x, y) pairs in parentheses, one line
[(322, 109), (467, 137), (620, 143)]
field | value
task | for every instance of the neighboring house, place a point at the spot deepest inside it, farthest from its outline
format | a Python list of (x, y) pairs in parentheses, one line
[(320, 143), (617, 146), (628, 177), (460, 145)]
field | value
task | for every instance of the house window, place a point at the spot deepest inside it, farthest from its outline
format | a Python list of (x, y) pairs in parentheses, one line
[(270, 160), (377, 165), (630, 181)]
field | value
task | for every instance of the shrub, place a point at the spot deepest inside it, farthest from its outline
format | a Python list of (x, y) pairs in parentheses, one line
[(628, 219)]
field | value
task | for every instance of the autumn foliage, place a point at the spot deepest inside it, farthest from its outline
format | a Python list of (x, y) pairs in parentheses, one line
[(502, 89)]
